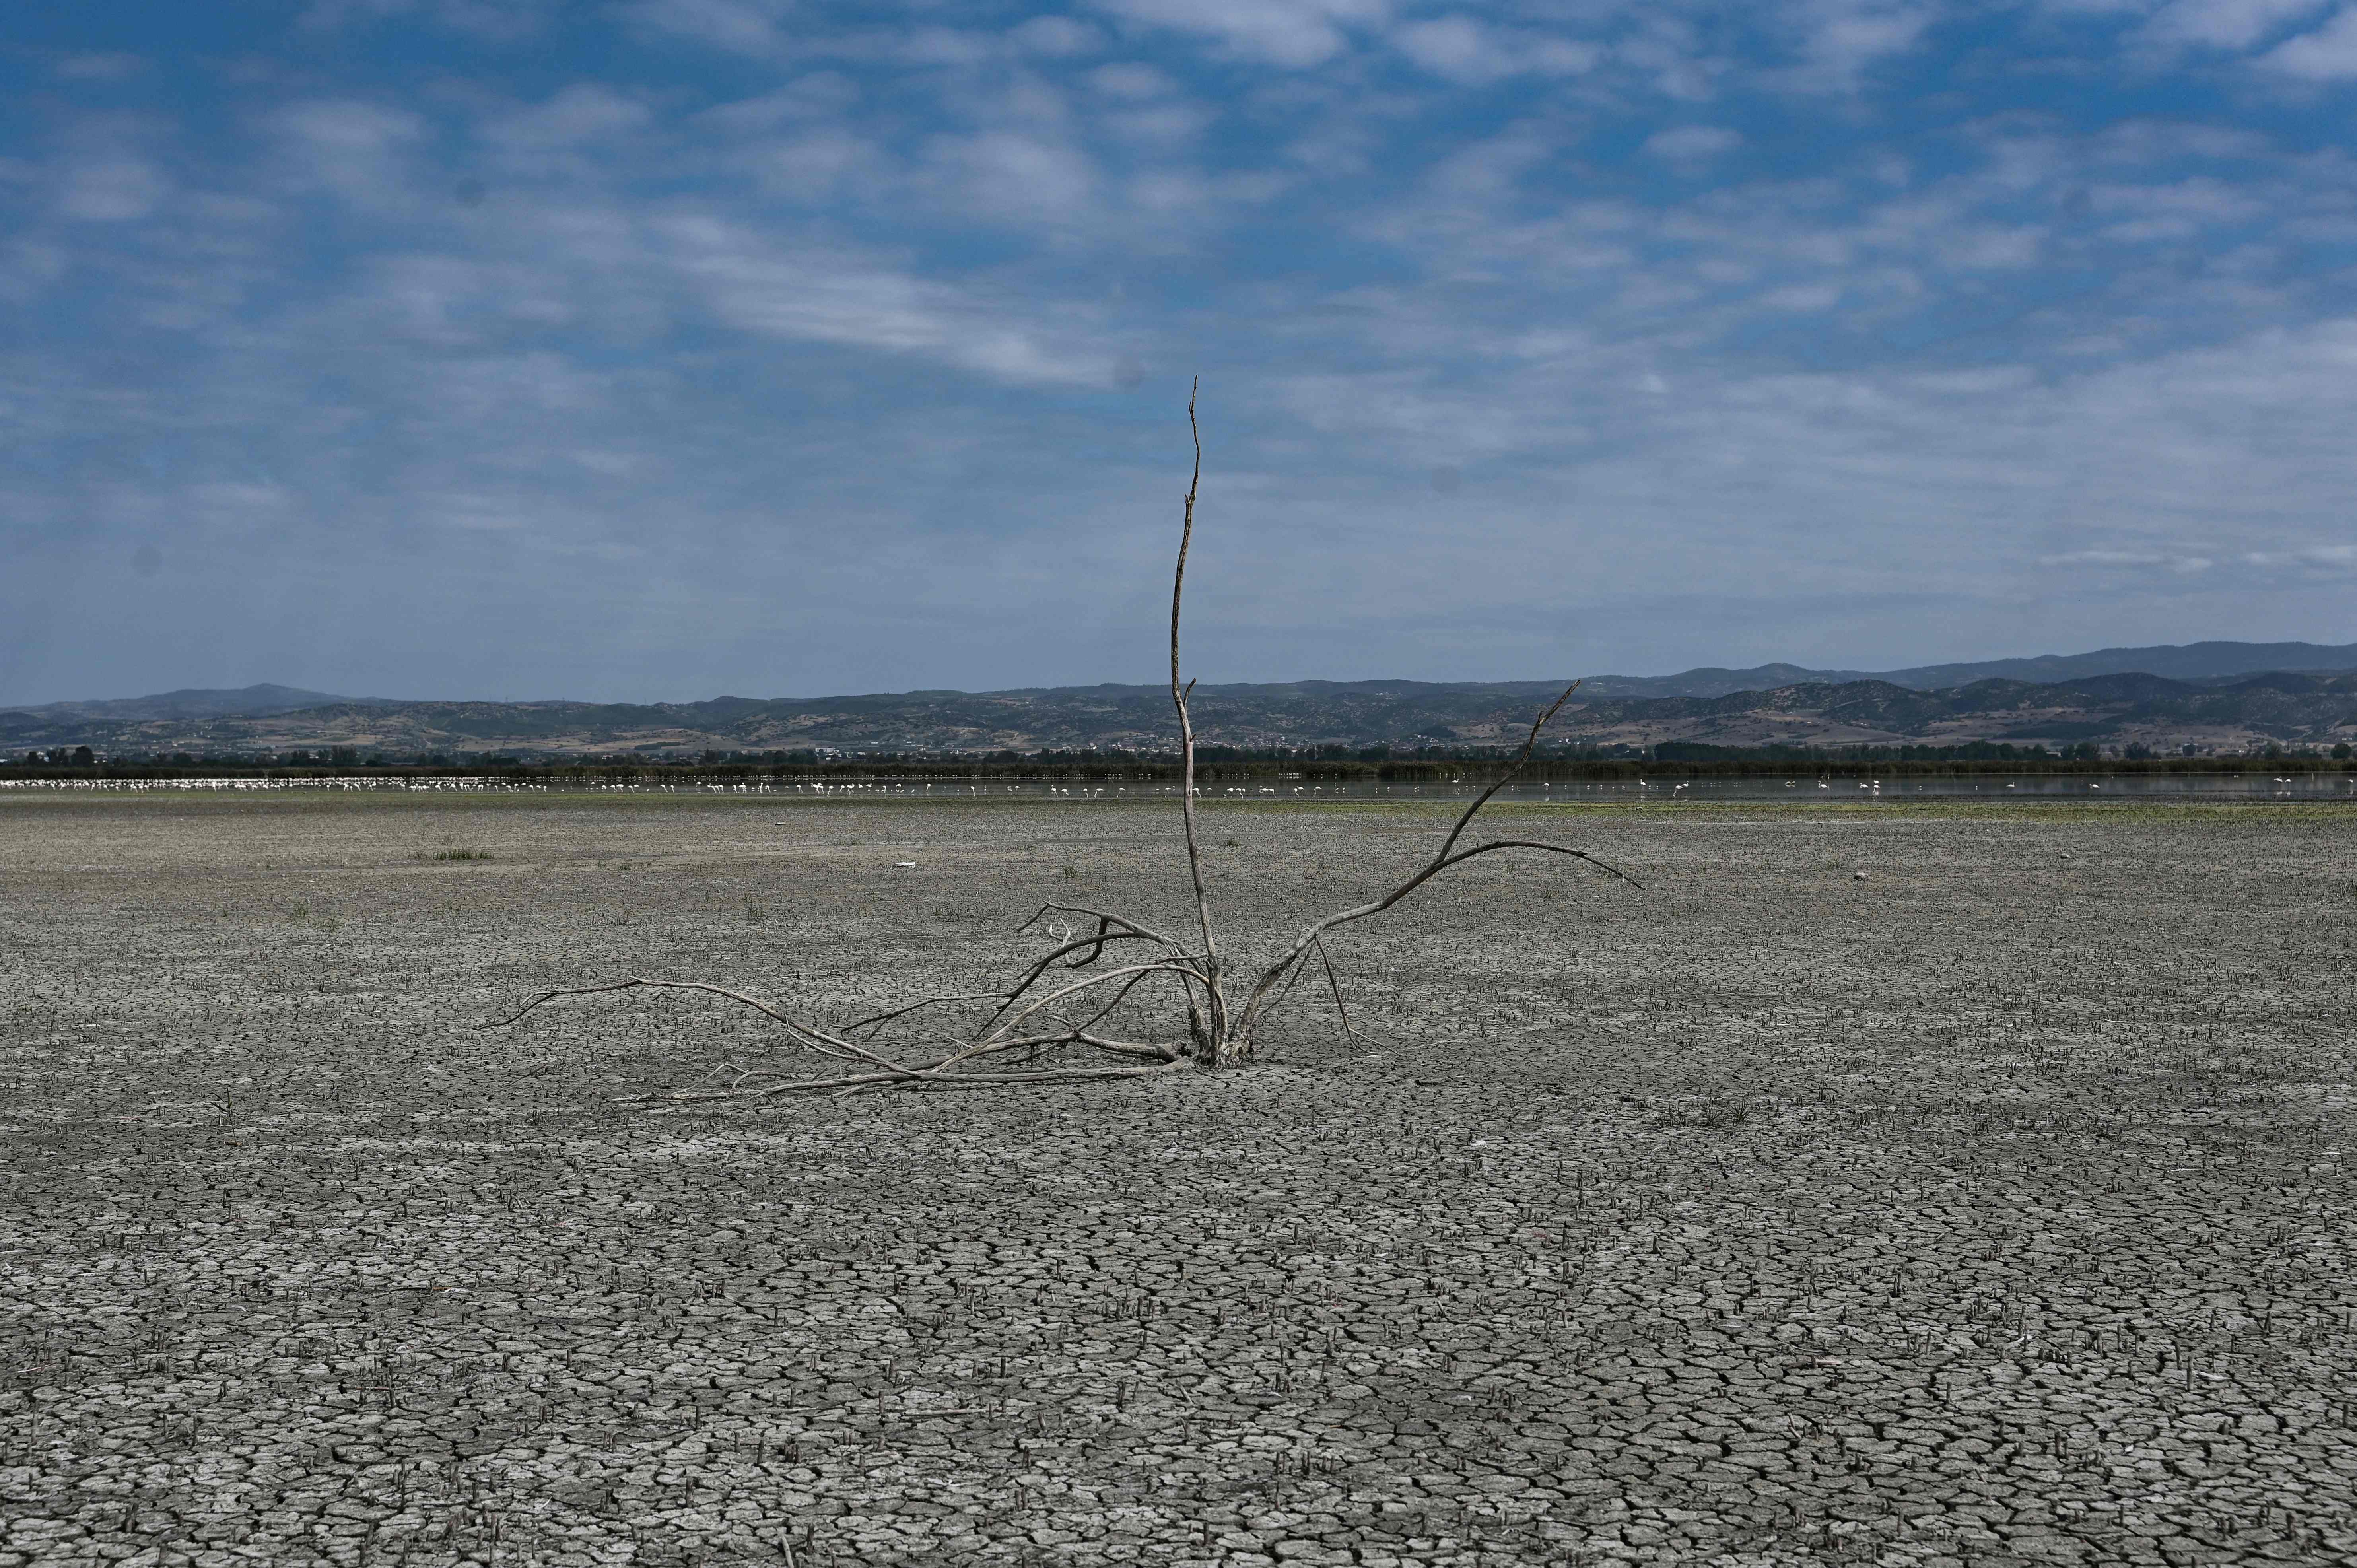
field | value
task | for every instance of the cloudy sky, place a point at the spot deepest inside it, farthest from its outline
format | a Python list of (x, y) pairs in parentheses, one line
[(660, 348)]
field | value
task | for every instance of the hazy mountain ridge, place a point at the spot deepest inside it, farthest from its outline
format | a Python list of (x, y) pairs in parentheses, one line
[(2192, 661), (201, 702), (2117, 708), (2177, 661)]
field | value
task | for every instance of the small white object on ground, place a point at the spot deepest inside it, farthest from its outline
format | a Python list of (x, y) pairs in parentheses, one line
[(1857, 876), (905, 864)]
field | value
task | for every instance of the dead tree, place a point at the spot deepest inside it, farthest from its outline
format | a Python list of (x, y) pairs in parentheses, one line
[(1051, 1025)]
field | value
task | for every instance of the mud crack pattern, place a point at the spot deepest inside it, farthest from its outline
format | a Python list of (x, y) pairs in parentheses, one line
[(1993, 1210)]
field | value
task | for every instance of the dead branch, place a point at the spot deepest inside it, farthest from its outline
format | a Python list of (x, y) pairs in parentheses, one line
[(913, 1081), (880, 1019), (822, 1041), (1210, 1022), (1259, 1004), (1334, 983), (1028, 1018)]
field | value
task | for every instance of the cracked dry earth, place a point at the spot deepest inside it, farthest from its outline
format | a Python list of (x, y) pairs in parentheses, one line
[(1992, 1208)]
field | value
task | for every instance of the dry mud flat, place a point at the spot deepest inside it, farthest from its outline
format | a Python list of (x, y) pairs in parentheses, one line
[(1993, 1208)]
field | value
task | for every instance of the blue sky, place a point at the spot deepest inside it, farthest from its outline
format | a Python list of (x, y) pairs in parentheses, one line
[(641, 349)]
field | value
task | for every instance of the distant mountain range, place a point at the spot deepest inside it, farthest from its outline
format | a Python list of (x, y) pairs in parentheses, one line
[(2223, 696), (203, 704), (2185, 661)]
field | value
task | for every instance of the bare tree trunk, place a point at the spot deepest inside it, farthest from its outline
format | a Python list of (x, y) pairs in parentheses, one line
[(1209, 1029)]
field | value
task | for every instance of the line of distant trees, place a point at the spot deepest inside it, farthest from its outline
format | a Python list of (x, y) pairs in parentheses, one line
[(1333, 763)]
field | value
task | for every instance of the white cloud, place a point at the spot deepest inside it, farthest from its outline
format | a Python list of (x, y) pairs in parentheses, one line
[(820, 94), (2328, 54), (1163, 126), (740, 26), (1692, 144), (1845, 38), (1057, 37), (498, 20), (2150, 560), (99, 66), (1132, 82), (1005, 176), (2174, 209), (821, 164), (28, 267), (1481, 177), (583, 111), (2225, 23), (2319, 558), (1674, 54), (463, 301), (834, 296), (359, 150), (236, 507), (1292, 33), (112, 190), (957, 48), (1475, 54)]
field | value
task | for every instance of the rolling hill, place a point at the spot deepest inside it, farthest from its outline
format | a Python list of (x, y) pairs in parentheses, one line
[(2231, 714)]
